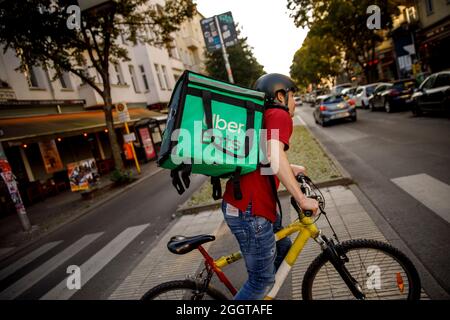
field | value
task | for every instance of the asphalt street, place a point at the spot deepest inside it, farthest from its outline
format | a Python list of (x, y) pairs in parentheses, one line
[(401, 163), (108, 242)]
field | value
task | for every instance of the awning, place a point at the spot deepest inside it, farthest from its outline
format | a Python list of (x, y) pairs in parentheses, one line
[(32, 129)]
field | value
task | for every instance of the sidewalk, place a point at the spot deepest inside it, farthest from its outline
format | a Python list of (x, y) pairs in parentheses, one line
[(52, 213), (347, 215)]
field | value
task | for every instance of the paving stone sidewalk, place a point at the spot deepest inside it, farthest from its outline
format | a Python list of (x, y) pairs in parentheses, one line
[(348, 217)]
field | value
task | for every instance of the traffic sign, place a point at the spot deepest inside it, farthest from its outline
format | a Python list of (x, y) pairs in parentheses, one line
[(122, 112)]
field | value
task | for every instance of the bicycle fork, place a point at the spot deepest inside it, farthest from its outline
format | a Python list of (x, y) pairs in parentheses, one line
[(338, 260)]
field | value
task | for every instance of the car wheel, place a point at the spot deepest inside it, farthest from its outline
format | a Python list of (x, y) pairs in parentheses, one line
[(353, 118), (387, 106)]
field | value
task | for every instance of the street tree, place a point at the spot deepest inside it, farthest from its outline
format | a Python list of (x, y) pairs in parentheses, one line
[(39, 32), (346, 22), (318, 59), (245, 67)]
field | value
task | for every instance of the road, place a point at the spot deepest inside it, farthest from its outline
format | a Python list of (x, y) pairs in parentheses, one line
[(401, 164), (106, 244)]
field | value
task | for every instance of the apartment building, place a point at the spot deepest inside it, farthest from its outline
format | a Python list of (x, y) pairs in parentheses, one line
[(433, 36), (46, 124)]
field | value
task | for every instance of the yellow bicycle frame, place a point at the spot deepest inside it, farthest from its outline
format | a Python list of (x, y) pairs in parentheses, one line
[(306, 229)]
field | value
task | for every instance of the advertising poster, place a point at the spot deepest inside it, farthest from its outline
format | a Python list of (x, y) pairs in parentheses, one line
[(148, 144), (82, 174), (50, 156)]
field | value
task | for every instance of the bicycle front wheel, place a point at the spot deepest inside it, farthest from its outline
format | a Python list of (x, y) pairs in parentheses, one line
[(382, 272), (182, 290)]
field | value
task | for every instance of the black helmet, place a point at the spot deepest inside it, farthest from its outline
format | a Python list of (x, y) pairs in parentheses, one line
[(272, 83)]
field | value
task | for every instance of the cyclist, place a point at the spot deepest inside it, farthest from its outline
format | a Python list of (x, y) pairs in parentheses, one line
[(254, 219)]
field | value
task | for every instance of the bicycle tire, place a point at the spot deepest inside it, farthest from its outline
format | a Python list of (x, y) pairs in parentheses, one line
[(166, 287), (414, 285)]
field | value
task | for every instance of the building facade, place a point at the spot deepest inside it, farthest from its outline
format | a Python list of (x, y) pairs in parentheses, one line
[(47, 124)]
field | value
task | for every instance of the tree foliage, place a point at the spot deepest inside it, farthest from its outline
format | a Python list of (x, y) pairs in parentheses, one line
[(318, 58), (37, 30), (345, 21), (246, 69)]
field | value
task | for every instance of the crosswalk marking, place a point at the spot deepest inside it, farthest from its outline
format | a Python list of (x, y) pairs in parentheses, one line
[(97, 262), (26, 282), (428, 190), (27, 259)]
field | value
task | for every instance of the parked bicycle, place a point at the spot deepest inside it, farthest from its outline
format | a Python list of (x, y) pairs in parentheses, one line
[(354, 269)]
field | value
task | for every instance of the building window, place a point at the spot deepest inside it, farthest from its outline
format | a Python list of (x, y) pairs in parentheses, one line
[(429, 6), (160, 80), (144, 77), (64, 79), (32, 77), (134, 79), (119, 74), (166, 78)]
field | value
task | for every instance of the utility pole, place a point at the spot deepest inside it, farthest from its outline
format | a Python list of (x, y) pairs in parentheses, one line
[(8, 177), (224, 51)]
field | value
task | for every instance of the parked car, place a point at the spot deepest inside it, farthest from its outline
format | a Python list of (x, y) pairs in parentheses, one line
[(319, 99), (363, 93), (298, 101), (334, 107), (396, 95), (433, 94), (349, 92), (338, 88)]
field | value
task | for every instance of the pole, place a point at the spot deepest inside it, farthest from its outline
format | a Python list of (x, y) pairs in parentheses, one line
[(224, 51), (11, 184), (138, 168)]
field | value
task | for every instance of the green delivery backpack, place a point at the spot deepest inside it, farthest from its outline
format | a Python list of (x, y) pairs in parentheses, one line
[(213, 128)]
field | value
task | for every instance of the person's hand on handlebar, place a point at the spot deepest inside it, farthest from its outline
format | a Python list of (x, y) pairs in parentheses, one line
[(308, 204)]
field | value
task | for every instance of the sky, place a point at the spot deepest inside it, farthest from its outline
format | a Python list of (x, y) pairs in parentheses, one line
[(266, 24)]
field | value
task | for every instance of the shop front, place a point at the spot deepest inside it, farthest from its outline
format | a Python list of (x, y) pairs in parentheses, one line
[(44, 150)]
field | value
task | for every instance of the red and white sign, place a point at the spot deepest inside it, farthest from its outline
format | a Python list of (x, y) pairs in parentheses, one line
[(147, 142)]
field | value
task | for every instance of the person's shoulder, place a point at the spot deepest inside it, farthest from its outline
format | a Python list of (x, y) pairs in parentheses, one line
[(277, 113)]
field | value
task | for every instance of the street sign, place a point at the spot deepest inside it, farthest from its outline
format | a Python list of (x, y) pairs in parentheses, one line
[(228, 29), (211, 32), (122, 112), (129, 137)]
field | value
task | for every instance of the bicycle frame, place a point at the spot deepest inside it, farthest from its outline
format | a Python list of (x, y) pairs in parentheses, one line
[(305, 228)]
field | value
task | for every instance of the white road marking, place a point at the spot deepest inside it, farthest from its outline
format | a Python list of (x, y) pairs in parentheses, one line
[(19, 287), (27, 259), (303, 123), (433, 193), (97, 262)]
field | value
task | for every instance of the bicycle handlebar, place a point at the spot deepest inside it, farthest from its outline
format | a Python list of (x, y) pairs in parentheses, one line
[(307, 190)]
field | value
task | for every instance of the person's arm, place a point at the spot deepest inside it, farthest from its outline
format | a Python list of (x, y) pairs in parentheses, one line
[(281, 167)]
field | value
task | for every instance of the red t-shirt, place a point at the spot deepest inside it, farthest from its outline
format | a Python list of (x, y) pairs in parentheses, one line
[(255, 187)]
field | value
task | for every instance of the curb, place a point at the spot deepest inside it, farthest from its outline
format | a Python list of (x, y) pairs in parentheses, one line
[(216, 204), (83, 213)]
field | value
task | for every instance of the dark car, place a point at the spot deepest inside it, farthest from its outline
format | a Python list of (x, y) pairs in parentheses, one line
[(393, 96), (334, 107), (433, 94)]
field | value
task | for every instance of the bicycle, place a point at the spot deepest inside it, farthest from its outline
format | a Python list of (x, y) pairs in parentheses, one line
[(336, 266)]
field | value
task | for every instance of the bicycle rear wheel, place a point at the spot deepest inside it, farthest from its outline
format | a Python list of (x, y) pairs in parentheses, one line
[(382, 271), (182, 290)]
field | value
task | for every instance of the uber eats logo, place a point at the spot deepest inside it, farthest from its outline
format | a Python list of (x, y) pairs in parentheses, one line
[(227, 142), (222, 124)]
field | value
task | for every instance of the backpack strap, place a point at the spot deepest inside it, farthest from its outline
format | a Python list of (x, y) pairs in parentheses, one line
[(236, 179), (275, 194), (176, 181), (217, 188)]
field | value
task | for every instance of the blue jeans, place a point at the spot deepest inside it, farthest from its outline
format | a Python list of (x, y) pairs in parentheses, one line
[(262, 255)]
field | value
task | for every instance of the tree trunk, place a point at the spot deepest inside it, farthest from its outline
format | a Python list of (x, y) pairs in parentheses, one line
[(115, 148)]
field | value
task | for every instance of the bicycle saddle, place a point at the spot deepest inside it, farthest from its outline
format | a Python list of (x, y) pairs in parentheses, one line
[(182, 244)]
